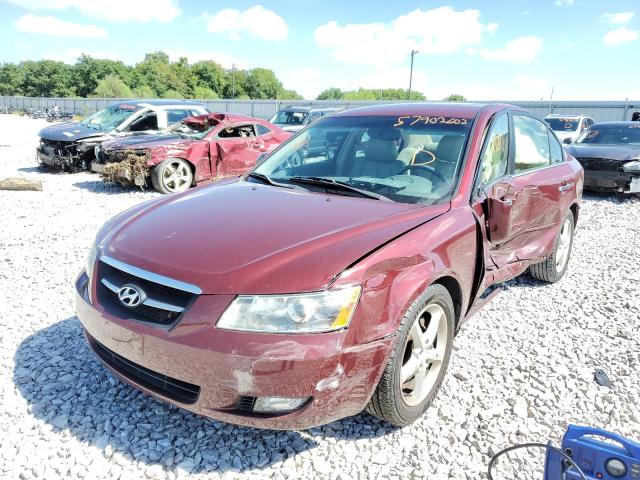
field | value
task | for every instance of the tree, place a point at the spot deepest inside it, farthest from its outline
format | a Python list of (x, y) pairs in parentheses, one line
[(261, 83), (112, 86), (143, 91), (204, 93), (209, 74), (88, 71), (332, 93), (454, 97), (46, 78), (172, 94), (11, 76)]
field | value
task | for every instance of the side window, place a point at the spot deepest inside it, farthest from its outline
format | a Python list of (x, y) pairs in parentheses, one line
[(174, 116), (237, 132), (148, 121), (555, 149), (532, 143), (262, 130), (495, 156), (314, 116)]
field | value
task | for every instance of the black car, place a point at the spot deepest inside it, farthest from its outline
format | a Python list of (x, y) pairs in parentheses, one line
[(71, 146), (610, 155)]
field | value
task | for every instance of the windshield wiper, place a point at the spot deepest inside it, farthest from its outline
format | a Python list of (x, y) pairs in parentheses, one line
[(268, 180), (338, 185)]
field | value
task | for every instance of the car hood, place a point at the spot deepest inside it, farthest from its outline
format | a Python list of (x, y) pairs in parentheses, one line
[(610, 152), (69, 132), (146, 141), (238, 237)]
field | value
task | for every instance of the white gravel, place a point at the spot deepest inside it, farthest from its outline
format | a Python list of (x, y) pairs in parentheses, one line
[(521, 370)]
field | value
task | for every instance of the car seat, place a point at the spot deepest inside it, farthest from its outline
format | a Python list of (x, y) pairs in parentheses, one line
[(379, 159)]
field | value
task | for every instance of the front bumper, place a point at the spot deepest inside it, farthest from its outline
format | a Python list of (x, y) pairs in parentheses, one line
[(226, 366), (607, 181)]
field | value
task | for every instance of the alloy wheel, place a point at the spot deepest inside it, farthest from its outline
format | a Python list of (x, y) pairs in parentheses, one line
[(564, 245), (423, 354), (176, 176)]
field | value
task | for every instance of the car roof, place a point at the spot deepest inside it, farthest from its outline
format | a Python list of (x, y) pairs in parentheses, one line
[(616, 124), (157, 102), (307, 108), (451, 109), (559, 115)]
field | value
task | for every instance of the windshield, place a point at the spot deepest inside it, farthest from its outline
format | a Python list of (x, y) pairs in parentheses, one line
[(409, 159), (612, 134), (109, 118), (191, 129), (289, 118), (563, 124)]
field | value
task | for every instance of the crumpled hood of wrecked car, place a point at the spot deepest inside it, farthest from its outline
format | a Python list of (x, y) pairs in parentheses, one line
[(147, 142), (238, 237), (610, 152), (68, 132)]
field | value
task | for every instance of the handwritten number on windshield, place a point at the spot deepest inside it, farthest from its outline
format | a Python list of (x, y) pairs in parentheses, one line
[(414, 119)]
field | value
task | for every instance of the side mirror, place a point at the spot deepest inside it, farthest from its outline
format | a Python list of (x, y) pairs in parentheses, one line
[(567, 140)]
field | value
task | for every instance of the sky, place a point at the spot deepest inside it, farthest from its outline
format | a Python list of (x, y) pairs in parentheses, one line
[(484, 50)]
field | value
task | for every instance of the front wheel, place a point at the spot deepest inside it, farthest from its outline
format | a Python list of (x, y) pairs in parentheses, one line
[(172, 176), (418, 361), (552, 269)]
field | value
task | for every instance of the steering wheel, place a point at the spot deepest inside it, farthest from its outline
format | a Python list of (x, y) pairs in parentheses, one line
[(428, 168)]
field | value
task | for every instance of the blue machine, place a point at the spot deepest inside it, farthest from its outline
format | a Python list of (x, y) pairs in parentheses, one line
[(585, 456)]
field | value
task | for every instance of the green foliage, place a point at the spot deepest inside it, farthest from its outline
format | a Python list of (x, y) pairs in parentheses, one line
[(143, 91), (171, 94), (454, 97), (370, 94), (88, 71), (204, 93), (155, 76), (332, 93), (112, 86)]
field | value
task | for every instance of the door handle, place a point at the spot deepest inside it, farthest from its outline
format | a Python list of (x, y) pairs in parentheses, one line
[(565, 188)]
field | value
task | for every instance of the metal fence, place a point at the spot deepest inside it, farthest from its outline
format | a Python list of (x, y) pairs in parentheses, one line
[(601, 111)]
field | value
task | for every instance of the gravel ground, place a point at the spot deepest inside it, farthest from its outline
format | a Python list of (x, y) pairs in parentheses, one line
[(521, 370)]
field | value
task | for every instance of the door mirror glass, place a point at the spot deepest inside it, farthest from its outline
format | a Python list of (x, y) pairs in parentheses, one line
[(567, 140)]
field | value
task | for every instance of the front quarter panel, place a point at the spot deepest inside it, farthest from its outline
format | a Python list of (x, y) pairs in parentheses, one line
[(396, 274)]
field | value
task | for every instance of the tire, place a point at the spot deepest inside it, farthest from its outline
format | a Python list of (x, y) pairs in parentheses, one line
[(173, 175), (396, 400), (552, 269)]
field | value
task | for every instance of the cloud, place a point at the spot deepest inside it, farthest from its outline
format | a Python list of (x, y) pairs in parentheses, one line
[(520, 50), (438, 31), (112, 10), (55, 27), (222, 58), (562, 3), (257, 21), (618, 18), (620, 35)]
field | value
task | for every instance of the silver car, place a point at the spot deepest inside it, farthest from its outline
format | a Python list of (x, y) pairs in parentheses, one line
[(568, 127)]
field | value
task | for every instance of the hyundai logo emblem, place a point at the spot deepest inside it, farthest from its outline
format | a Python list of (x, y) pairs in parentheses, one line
[(131, 295)]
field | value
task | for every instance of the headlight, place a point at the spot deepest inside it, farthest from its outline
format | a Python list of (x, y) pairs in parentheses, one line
[(91, 259), (632, 167), (301, 313)]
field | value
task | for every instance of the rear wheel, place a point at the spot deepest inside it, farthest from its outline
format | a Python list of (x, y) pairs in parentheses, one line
[(418, 361), (552, 269), (172, 176)]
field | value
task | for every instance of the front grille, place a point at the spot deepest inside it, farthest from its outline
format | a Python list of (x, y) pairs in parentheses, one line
[(600, 164), (172, 388), (163, 306)]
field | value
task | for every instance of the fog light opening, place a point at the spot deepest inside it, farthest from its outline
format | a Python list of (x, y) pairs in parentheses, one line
[(278, 404)]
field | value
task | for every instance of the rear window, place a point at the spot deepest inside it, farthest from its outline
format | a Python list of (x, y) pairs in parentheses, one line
[(563, 124)]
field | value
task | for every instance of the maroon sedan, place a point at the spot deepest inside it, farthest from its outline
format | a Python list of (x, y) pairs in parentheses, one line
[(191, 152), (333, 277)]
